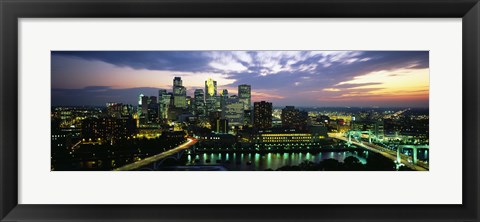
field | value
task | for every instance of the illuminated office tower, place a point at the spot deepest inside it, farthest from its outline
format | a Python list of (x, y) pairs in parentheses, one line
[(199, 102), (149, 109), (144, 105), (177, 81), (223, 98), (232, 111), (152, 110), (160, 93), (164, 104), (210, 88), (189, 103), (218, 103), (211, 95), (245, 95), (262, 117), (139, 107), (179, 93)]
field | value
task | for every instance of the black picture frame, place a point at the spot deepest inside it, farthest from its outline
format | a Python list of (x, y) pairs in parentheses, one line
[(11, 11)]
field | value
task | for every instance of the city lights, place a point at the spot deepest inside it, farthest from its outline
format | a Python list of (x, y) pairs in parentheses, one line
[(203, 120)]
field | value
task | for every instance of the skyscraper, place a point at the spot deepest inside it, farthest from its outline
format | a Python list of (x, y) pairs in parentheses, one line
[(225, 93), (262, 117), (177, 81), (144, 104), (223, 98), (210, 88), (164, 104), (248, 117), (179, 93), (199, 103), (245, 95), (189, 103), (152, 111), (232, 111), (210, 95), (160, 93), (139, 107)]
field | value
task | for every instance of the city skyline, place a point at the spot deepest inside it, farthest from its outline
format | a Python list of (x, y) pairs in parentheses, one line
[(298, 78)]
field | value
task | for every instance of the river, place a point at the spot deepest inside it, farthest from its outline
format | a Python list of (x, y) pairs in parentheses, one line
[(264, 161)]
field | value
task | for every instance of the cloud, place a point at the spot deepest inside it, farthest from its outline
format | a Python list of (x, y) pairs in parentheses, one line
[(266, 95), (291, 74), (409, 84), (74, 72), (352, 84), (192, 61), (331, 90)]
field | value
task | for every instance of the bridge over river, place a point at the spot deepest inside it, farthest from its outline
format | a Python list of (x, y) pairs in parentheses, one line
[(152, 160), (396, 156)]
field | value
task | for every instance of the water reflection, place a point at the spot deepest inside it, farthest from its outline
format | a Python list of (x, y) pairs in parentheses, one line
[(265, 161)]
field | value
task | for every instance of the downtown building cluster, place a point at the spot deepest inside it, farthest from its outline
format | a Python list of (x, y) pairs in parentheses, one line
[(230, 118), (207, 112), (222, 122), (221, 112)]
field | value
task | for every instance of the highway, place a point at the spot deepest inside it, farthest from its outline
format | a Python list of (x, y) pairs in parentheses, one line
[(153, 159), (76, 144), (381, 150)]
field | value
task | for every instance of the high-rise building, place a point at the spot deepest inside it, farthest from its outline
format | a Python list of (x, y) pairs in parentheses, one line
[(290, 116), (139, 107), (294, 118), (160, 93), (262, 117), (199, 102), (223, 99), (218, 103), (189, 103), (210, 88), (179, 93), (164, 104), (177, 81), (233, 111), (245, 95), (149, 110), (211, 95), (152, 110), (248, 117), (144, 104)]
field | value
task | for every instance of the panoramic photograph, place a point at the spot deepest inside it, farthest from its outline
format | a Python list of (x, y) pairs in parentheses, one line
[(240, 110)]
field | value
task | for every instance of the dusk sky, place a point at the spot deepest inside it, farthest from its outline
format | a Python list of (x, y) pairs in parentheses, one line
[(300, 78)]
